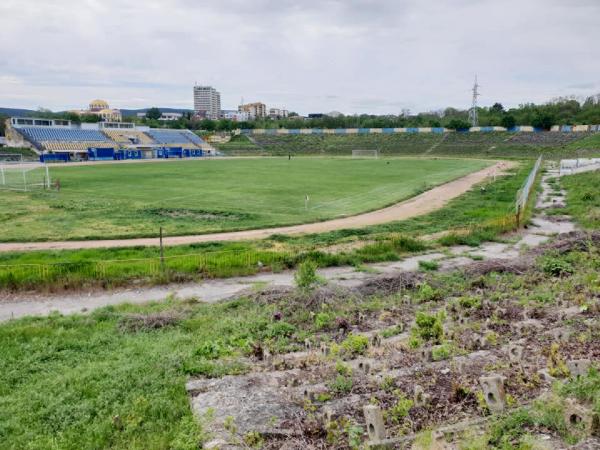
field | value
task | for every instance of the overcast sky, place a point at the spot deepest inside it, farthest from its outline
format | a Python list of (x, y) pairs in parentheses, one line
[(355, 56)]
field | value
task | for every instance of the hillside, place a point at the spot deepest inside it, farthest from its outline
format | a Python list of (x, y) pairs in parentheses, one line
[(497, 144)]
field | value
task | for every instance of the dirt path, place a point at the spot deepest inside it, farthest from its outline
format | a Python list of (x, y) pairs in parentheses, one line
[(421, 204)]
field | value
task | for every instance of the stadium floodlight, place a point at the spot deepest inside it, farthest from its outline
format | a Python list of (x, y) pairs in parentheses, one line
[(362, 154), (24, 176)]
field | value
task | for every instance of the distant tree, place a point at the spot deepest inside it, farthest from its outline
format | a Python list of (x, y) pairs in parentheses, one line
[(508, 121), (90, 118), (458, 124), (2, 124), (497, 108), (153, 113), (543, 120)]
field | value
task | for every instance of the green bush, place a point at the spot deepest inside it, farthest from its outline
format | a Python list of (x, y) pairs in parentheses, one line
[(280, 329), (557, 267), (306, 275), (429, 327), (323, 320), (355, 344), (340, 385)]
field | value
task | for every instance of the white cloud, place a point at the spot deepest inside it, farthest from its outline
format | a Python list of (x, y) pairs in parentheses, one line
[(310, 56)]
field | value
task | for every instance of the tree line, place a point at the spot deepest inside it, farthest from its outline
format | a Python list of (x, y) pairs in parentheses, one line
[(560, 111)]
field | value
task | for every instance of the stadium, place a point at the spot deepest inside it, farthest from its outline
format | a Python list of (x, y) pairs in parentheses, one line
[(240, 269), (62, 140)]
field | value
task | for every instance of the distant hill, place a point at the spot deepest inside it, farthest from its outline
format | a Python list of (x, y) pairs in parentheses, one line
[(18, 112)]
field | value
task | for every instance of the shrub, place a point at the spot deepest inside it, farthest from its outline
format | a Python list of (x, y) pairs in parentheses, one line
[(399, 411), (441, 352), (557, 267), (429, 266), (280, 329), (426, 293), (340, 385), (211, 350), (355, 344), (306, 275), (323, 320), (429, 327)]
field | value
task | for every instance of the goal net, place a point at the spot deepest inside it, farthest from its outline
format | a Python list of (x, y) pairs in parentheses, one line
[(10, 157), (361, 154), (20, 176)]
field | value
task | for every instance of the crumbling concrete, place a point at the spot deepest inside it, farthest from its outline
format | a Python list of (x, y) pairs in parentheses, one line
[(493, 391)]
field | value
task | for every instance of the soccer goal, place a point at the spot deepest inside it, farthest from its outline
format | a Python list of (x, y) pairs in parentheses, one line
[(10, 157), (24, 176), (362, 154)]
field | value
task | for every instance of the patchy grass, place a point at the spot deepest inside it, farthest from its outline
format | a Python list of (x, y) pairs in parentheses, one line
[(482, 213), (115, 378), (583, 198), (111, 201)]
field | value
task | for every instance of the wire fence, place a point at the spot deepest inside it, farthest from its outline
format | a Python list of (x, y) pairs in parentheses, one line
[(208, 264), (524, 194)]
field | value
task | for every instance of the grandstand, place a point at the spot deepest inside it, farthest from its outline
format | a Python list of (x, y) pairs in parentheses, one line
[(181, 138), (129, 137), (46, 136), (65, 139)]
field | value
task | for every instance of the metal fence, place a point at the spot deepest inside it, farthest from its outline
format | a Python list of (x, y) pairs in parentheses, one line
[(573, 166), (524, 193)]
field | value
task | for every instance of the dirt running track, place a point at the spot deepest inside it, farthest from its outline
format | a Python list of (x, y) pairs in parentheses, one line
[(421, 204)]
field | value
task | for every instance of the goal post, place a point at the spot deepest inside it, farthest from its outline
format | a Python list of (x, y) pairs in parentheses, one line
[(365, 154), (11, 157), (24, 176)]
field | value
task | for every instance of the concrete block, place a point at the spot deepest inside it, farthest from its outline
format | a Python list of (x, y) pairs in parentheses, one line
[(376, 340), (515, 353), (545, 376), (426, 354), (364, 366), (420, 397), (374, 423), (307, 344), (493, 391), (580, 418), (579, 367)]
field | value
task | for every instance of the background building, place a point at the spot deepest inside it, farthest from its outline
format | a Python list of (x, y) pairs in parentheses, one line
[(207, 102), (255, 110), (276, 113), (237, 116), (101, 109)]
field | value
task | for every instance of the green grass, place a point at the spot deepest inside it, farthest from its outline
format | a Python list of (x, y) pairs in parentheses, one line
[(588, 143), (478, 209), (134, 200), (26, 153), (583, 198), (470, 145)]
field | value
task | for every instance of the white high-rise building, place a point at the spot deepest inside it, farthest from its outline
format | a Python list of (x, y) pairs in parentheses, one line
[(207, 102)]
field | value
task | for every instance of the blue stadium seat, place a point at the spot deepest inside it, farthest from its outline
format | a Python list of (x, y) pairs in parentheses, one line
[(63, 134)]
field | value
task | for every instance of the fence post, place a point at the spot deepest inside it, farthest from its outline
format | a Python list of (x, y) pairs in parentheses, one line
[(518, 216), (162, 252)]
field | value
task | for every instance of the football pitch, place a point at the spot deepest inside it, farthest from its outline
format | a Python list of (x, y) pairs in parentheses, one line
[(109, 201)]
